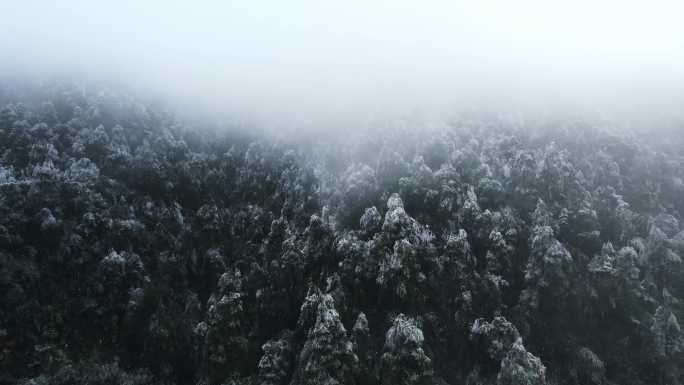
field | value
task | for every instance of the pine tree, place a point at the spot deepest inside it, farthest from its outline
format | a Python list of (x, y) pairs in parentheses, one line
[(275, 366), (520, 367), (327, 356), (403, 360), (225, 344)]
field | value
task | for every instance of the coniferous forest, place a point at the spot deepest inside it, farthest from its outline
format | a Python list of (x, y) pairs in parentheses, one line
[(138, 249)]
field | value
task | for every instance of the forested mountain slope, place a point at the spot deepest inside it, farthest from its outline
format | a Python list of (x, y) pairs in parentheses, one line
[(137, 250)]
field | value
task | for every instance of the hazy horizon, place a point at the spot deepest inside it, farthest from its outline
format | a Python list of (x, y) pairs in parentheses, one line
[(313, 65)]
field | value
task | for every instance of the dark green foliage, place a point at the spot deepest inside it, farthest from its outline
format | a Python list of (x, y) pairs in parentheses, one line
[(138, 249), (91, 374), (519, 367), (275, 366), (403, 360), (327, 356)]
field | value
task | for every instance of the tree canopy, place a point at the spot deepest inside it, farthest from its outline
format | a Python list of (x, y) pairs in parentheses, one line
[(136, 248)]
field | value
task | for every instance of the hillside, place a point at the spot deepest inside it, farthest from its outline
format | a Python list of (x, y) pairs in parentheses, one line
[(138, 249)]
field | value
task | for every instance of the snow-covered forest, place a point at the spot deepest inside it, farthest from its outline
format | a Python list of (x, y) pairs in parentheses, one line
[(137, 250)]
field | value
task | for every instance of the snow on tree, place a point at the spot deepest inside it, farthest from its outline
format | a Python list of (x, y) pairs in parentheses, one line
[(497, 336), (225, 345), (403, 360), (668, 342), (519, 367), (371, 221), (275, 365), (327, 356)]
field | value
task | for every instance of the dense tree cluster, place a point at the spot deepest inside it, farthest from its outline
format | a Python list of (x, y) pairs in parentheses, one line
[(136, 249)]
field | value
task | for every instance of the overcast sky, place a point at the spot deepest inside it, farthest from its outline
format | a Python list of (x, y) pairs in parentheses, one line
[(318, 62)]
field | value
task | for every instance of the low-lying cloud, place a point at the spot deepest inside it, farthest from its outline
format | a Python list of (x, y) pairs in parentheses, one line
[(344, 64)]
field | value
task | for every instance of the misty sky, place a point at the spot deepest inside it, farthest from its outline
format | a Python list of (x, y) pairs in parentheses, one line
[(310, 62)]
